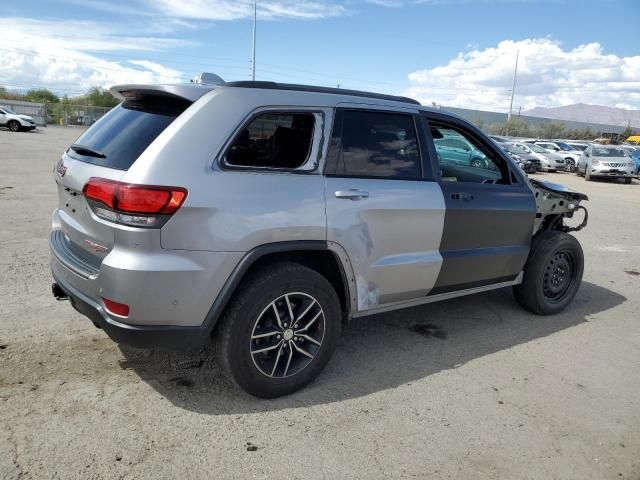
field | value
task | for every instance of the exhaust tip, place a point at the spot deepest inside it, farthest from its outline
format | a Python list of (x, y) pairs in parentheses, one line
[(58, 293)]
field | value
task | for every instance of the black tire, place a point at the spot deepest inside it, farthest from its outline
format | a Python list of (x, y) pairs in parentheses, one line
[(627, 181), (14, 125), (552, 274), (478, 163), (571, 164), (251, 306)]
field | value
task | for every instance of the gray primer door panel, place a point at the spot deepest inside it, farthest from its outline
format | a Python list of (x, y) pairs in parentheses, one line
[(392, 236), (487, 234)]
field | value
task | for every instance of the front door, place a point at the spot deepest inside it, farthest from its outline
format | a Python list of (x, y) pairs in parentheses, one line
[(379, 207), (490, 212)]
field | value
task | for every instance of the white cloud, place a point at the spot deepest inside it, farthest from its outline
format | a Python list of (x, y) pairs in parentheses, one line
[(60, 55), (387, 3), (237, 9), (548, 75), (64, 55)]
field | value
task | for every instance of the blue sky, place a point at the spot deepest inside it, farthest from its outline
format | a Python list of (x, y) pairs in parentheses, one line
[(456, 52)]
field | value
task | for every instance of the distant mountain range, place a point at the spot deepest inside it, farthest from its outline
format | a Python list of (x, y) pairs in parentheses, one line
[(582, 112)]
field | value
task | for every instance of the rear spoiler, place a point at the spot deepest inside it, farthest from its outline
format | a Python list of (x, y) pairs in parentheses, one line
[(191, 92)]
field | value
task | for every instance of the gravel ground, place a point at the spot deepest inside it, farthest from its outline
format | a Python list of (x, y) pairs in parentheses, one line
[(469, 388)]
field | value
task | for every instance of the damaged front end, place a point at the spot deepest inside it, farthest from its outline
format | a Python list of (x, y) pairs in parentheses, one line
[(555, 203)]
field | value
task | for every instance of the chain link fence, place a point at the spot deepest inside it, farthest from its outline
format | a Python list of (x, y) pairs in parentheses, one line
[(67, 114), (57, 113)]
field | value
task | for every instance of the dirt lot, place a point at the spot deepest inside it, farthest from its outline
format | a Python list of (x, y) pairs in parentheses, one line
[(485, 390)]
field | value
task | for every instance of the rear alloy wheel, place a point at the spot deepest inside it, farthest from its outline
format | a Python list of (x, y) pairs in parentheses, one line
[(287, 335), (14, 126), (552, 274), (279, 330)]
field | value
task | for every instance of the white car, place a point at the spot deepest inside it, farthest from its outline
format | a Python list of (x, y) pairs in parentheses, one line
[(550, 161), (14, 121), (570, 154), (606, 161)]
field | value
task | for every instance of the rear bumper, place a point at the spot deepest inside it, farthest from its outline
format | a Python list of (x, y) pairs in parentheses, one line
[(141, 336)]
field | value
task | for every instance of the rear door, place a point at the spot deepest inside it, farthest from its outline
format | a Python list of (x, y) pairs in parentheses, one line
[(105, 150), (380, 207), (490, 212)]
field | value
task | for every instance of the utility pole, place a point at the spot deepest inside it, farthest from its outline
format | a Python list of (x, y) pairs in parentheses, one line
[(513, 87), (255, 21)]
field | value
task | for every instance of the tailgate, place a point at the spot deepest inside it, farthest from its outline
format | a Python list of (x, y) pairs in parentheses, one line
[(84, 235)]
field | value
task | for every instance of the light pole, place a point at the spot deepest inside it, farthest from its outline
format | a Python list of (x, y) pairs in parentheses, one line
[(255, 20), (513, 88)]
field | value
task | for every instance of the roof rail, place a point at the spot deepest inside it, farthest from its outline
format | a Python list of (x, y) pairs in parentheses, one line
[(314, 89)]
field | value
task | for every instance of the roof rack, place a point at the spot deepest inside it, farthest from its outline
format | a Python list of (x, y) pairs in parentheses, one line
[(310, 88)]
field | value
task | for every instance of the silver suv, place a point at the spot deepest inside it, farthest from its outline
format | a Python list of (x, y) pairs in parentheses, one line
[(262, 216), (606, 161)]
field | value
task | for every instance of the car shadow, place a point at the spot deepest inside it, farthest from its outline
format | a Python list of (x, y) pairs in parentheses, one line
[(376, 353)]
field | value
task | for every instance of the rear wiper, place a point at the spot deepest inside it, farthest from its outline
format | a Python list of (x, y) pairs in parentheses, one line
[(82, 150)]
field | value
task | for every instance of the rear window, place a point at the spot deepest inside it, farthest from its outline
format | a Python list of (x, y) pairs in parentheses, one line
[(120, 137)]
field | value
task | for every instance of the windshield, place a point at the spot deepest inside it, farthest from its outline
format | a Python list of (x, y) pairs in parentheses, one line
[(608, 152), (579, 147), (513, 148), (537, 148), (8, 110), (565, 147)]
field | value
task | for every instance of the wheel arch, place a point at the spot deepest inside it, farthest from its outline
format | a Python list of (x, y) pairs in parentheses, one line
[(326, 258)]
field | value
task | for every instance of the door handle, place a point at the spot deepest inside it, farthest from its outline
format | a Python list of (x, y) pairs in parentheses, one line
[(462, 196), (352, 194)]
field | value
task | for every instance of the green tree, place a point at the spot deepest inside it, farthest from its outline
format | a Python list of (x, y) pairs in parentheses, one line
[(100, 97), (41, 95), (552, 130)]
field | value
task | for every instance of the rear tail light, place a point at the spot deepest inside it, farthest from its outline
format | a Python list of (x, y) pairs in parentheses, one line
[(135, 205), (115, 308)]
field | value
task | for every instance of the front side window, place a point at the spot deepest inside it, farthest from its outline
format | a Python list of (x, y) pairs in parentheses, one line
[(475, 163), (274, 140), (377, 144)]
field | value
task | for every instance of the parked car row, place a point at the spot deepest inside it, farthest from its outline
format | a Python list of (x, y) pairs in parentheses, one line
[(586, 159), (539, 155)]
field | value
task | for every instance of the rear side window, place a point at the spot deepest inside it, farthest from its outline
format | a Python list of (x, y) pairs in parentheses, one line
[(120, 137), (273, 140), (377, 144)]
